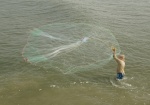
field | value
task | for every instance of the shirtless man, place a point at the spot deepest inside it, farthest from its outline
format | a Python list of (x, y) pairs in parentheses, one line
[(121, 64)]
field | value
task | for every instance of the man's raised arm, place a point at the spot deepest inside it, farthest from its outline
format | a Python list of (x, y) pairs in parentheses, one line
[(114, 55)]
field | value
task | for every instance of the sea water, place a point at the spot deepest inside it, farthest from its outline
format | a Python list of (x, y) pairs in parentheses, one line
[(24, 84)]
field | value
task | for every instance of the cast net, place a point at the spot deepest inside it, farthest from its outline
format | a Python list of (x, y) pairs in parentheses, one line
[(70, 47)]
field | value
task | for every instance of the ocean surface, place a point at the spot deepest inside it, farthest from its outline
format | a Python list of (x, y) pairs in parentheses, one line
[(24, 84)]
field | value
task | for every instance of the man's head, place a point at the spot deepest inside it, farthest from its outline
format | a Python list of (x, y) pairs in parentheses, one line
[(121, 57)]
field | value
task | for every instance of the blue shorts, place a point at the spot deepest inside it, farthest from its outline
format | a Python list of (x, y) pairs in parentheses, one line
[(120, 76)]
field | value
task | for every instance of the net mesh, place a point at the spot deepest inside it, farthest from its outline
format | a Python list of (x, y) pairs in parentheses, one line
[(70, 47)]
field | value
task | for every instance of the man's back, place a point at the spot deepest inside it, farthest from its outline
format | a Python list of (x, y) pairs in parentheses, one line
[(121, 66)]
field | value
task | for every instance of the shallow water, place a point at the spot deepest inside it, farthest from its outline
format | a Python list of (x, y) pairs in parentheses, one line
[(25, 84)]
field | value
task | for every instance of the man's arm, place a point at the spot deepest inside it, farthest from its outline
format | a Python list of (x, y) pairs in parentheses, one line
[(114, 55)]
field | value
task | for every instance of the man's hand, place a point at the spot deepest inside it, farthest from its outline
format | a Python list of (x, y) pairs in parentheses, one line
[(113, 49)]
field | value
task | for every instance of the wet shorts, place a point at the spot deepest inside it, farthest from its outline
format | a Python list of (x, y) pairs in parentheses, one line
[(120, 75)]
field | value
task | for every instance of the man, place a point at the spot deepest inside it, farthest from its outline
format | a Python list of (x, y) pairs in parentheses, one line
[(121, 64)]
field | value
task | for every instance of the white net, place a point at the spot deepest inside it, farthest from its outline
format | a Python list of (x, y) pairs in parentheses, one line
[(70, 47)]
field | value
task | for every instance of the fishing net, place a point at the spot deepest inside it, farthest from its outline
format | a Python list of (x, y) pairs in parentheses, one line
[(70, 47)]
